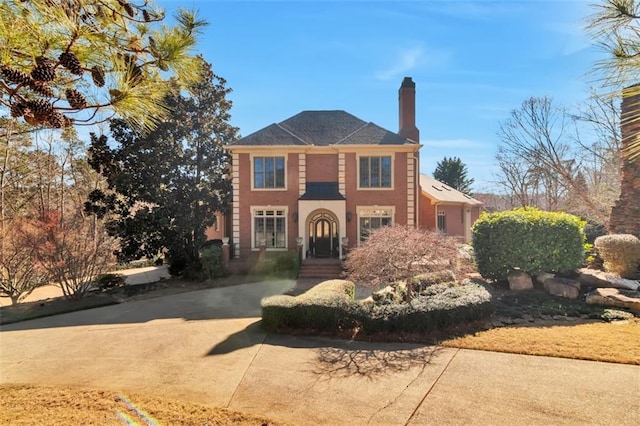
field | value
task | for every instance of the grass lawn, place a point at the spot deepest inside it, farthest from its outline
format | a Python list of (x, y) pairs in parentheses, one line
[(52, 405), (618, 341)]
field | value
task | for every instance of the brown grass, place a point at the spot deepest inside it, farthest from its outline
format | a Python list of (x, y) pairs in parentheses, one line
[(49, 405), (611, 342)]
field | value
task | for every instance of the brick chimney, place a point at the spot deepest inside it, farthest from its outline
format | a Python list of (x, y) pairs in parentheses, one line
[(626, 211), (407, 103)]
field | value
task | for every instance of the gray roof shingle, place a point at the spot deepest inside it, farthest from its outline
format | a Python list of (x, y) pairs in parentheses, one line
[(322, 128)]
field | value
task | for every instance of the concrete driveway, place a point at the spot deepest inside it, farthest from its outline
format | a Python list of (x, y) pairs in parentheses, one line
[(207, 346)]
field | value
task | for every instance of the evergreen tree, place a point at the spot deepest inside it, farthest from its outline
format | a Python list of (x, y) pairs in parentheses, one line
[(453, 172), (166, 185), (71, 62)]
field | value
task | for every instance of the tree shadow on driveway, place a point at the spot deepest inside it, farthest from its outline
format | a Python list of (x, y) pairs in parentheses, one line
[(333, 357)]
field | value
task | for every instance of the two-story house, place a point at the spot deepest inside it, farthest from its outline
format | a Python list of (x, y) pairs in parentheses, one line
[(324, 179)]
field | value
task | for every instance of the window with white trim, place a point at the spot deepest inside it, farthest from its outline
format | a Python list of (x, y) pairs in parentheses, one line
[(442, 221), (371, 219), (268, 172), (269, 228), (375, 172)]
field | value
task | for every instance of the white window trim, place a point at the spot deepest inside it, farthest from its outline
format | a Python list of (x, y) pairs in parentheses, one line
[(441, 213), (263, 155), (376, 154), (286, 226), (359, 209)]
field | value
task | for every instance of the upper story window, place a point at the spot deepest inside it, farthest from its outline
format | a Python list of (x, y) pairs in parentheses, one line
[(268, 172), (375, 172)]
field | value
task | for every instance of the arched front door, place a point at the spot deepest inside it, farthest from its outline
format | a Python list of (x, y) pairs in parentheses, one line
[(323, 235)]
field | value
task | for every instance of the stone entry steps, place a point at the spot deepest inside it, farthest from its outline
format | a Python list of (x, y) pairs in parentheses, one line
[(315, 268)]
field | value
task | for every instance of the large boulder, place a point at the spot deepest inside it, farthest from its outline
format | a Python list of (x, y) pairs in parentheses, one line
[(562, 287), (615, 297), (598, 279), (519, 281)]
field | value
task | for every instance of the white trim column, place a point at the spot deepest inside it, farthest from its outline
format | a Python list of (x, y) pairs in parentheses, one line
[(235, 185), (302, 174), (411, 192)]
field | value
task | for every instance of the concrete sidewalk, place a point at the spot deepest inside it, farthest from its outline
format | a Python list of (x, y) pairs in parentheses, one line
[(207, 346)]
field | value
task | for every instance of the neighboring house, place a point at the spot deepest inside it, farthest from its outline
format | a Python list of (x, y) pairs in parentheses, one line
[(324, 179)]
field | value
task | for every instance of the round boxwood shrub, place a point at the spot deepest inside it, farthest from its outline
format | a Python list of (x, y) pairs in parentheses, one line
[(620, 252), (527, 240)]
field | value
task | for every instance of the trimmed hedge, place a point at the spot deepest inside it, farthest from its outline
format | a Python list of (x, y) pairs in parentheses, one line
[(438, 306), (620, 252), (330, 307), (320, 308), (528, 240)]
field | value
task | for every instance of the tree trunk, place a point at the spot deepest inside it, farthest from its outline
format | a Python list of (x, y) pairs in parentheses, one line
[(625, 214)]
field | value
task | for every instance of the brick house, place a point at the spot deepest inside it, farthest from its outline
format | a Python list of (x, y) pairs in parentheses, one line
[(323, 179)]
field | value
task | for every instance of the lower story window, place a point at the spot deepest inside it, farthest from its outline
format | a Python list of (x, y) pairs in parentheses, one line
[(371, 219), (442, 221), (269, 228)]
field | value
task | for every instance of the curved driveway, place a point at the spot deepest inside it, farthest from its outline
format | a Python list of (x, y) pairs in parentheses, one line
[(207, 346)]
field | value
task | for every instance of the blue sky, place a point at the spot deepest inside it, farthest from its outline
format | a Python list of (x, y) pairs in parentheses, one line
[(472, 61)]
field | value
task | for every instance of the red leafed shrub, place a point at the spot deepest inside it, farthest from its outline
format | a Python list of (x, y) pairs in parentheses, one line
[(397, 253)]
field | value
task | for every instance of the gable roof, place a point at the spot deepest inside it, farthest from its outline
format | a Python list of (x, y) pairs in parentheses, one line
[(442, 193), (323, 128)]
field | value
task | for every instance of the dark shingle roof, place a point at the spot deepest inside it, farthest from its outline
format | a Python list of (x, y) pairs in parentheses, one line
[(322, 191), (322, 128)]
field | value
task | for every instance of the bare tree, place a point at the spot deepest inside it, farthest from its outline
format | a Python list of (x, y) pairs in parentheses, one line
[(396, 253), (538, 133)]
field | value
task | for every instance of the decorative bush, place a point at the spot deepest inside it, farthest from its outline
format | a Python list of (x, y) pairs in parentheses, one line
[(620, 252), (394, 254), (107, 281), (283, 264), (528, 240), (323, 307), (211, 265), (422, 281), (438, 306), (330, 307)]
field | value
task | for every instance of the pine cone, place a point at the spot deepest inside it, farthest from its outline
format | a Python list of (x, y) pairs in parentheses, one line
[(71, 62), (30, 118), (75, 99), (68, 122), (18, 109), (57, 120), (41, 88), (15, 76), (43, 72), (128, 8), (146, 15), (41, 109), (97, 74)]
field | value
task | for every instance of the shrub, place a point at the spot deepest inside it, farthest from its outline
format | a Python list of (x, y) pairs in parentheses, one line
[(330, 307), (323, 307), (395, 254), (620, 252), (439, 306), (107, 281), (283, 264), (529, 240), (422, 281), (209, 266)]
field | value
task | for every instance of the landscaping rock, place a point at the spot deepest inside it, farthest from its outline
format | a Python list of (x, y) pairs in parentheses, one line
[(541, 278), (599, 279), (615, 297), (562, 287), (519, 281)]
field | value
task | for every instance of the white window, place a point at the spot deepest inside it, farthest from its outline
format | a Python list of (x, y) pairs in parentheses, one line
[(371, 219), (270, 228), (268, 172), (442, 221), (375, 172)]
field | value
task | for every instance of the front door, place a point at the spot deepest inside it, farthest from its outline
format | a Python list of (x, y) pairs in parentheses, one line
[(322, 236)]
